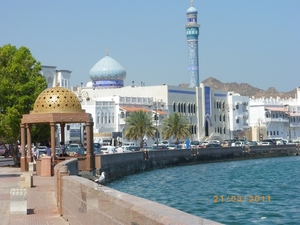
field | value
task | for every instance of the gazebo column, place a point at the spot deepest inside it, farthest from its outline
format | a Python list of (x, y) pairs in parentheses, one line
[(89, 147), (62, 132), (23, 156), (29, 150), (52, 128)]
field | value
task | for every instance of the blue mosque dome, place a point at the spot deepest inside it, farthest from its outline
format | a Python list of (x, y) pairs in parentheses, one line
[(192, 9), (107, 73)]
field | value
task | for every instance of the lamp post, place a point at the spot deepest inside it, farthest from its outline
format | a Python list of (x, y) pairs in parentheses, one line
[(156, 104), (289, 118), (156, 133)]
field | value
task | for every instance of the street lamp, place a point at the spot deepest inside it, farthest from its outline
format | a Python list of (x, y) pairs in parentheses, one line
[(287, 107), (156, 104)]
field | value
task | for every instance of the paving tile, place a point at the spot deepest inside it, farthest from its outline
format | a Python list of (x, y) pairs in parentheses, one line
[(41, 203)]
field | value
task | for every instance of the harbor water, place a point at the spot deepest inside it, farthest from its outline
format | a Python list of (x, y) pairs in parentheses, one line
[(258, 191)]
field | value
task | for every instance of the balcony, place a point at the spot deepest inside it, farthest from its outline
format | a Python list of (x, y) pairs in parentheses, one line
[(282, 120)]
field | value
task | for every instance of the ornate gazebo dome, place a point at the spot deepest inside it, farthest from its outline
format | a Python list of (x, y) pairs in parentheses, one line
[(57, 100)]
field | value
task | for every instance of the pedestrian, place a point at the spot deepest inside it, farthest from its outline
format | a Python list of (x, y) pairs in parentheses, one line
[(48, 150), (62, 148), (35, 153), (120, 149)]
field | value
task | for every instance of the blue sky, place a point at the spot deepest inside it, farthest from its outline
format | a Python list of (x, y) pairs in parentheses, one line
[(243, 41)]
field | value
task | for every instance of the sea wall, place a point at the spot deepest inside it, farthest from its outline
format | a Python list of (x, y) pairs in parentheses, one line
[(85, 202), (121, 164), (81, 201)]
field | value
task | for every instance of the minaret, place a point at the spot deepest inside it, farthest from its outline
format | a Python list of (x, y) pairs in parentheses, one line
[(192, 33)]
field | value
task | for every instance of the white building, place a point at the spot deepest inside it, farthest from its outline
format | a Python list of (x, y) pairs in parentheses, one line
[(110, 103), (275, 118), (55, 76)]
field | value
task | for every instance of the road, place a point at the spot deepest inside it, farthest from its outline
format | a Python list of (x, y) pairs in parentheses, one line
[(6, 161)]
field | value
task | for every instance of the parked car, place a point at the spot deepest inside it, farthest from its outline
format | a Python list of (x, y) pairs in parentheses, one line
[(134, 148), (238, 144), (75, 150), (159, 147), (173, 146), (195, 144), (251, 143), (128, 144), (212, 145), (42, 150), (4, 151), (97, 147), (288, 142), (267, 142), (108, 149)]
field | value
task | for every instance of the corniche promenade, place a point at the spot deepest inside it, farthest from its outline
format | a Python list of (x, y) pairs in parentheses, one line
[(79, 200), (83, 200)]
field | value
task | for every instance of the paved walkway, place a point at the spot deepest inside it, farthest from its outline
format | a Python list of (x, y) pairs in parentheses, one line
[(41, 204)]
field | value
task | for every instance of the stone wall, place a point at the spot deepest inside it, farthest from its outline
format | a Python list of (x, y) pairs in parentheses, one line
[(121, 164), (81, 201), (85, 202)]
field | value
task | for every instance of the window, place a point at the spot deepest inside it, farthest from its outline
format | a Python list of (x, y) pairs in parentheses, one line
[(122, 115), (237, 120)]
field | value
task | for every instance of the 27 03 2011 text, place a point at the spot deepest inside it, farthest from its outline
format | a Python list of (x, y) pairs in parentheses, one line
[(239, 198)]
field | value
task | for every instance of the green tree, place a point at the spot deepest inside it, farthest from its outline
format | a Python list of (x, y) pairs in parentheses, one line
[(20, 84), (138, 125), (176, 126)]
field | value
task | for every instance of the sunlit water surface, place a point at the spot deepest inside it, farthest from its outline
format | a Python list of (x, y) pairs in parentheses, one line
[(198, 190)]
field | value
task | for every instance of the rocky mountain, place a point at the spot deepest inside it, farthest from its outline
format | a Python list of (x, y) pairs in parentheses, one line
[(246, 89)]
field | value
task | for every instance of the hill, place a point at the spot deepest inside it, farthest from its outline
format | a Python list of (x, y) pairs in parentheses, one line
[(246, 89)]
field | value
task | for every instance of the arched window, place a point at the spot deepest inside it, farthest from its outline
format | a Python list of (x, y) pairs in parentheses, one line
[(184, 107), (122, 115), (174, 107), (178, 106)]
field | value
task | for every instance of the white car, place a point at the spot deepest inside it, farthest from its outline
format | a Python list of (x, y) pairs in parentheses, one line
[(108, 149)]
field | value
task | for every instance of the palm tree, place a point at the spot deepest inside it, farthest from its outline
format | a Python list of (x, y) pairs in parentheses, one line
[(139, 124), (176, 126)]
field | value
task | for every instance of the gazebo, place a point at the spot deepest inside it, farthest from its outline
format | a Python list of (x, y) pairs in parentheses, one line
[(56, 105)]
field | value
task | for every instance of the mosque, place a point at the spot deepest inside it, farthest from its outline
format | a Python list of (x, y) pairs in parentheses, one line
[(211, 113)]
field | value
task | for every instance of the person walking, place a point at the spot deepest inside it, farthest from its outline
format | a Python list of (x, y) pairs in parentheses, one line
[(62, 149), (35, 153), (48, 150)]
